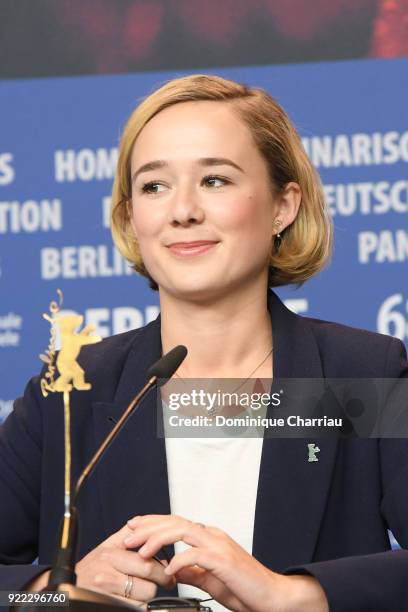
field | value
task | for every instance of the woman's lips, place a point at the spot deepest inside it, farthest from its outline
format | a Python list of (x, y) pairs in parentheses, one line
[(189, 249)]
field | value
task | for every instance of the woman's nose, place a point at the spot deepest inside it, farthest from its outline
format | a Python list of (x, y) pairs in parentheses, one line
[(186, 208)]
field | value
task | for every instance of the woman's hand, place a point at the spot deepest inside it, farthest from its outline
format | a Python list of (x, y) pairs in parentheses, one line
[(112, 569), (218, 565)]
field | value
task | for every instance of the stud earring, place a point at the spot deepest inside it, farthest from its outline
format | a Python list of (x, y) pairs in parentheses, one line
[(278, 237)]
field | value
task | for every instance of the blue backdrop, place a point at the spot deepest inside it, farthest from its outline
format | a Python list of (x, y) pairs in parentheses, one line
[(58, 140)]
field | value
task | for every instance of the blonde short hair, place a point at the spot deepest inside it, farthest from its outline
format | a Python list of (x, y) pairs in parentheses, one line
[(306, 244)]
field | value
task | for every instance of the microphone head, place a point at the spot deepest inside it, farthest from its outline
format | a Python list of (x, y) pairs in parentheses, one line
[(168, 364)]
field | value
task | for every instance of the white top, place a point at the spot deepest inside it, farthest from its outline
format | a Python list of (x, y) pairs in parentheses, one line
[(214, 481)]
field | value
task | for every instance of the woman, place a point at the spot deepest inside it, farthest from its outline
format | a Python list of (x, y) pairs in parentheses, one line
[(214, 201)]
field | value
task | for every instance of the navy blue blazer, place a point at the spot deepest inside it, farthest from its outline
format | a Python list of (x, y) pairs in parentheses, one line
[(328, 519)]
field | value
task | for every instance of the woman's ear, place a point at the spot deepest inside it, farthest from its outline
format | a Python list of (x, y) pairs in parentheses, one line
[(288, 203)]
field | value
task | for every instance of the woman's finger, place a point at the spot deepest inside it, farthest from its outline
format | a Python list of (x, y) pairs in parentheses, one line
[(204, 558), (149, 519), (153, 539), (116, 583), (157, 519), (116, 539), (129, 562), (206, 581)]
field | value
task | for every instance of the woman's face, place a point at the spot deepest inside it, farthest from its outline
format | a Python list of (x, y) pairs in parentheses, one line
[(202, 204)]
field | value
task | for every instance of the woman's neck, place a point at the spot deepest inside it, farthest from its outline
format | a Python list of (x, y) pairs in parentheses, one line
[(226, 338)]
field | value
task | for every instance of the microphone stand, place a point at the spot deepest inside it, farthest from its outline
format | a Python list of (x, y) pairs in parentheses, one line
[(63, 571)]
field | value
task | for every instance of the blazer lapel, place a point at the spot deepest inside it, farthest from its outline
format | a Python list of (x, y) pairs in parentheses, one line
[(132, 478), (291, 491)]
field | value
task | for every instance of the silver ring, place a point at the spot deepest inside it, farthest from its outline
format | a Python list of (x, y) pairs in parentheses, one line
[(128, 586)]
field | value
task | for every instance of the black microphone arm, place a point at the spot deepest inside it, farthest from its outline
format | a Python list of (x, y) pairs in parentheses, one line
[(63, 570)]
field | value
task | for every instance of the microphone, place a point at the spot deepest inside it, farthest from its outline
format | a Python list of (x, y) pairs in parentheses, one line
[(63, 572), (169, 363)]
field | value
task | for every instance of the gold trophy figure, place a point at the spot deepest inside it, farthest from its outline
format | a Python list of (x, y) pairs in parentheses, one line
[(71, 376), (71, 373)]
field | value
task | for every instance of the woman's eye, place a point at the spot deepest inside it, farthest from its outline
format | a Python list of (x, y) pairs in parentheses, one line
[(215, 181), (153, 187)]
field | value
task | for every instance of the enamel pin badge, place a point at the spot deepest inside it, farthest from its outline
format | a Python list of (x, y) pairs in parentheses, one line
[(313, 450)]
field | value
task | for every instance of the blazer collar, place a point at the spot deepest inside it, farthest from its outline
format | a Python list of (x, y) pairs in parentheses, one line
[(295, 353), (291, 492)]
